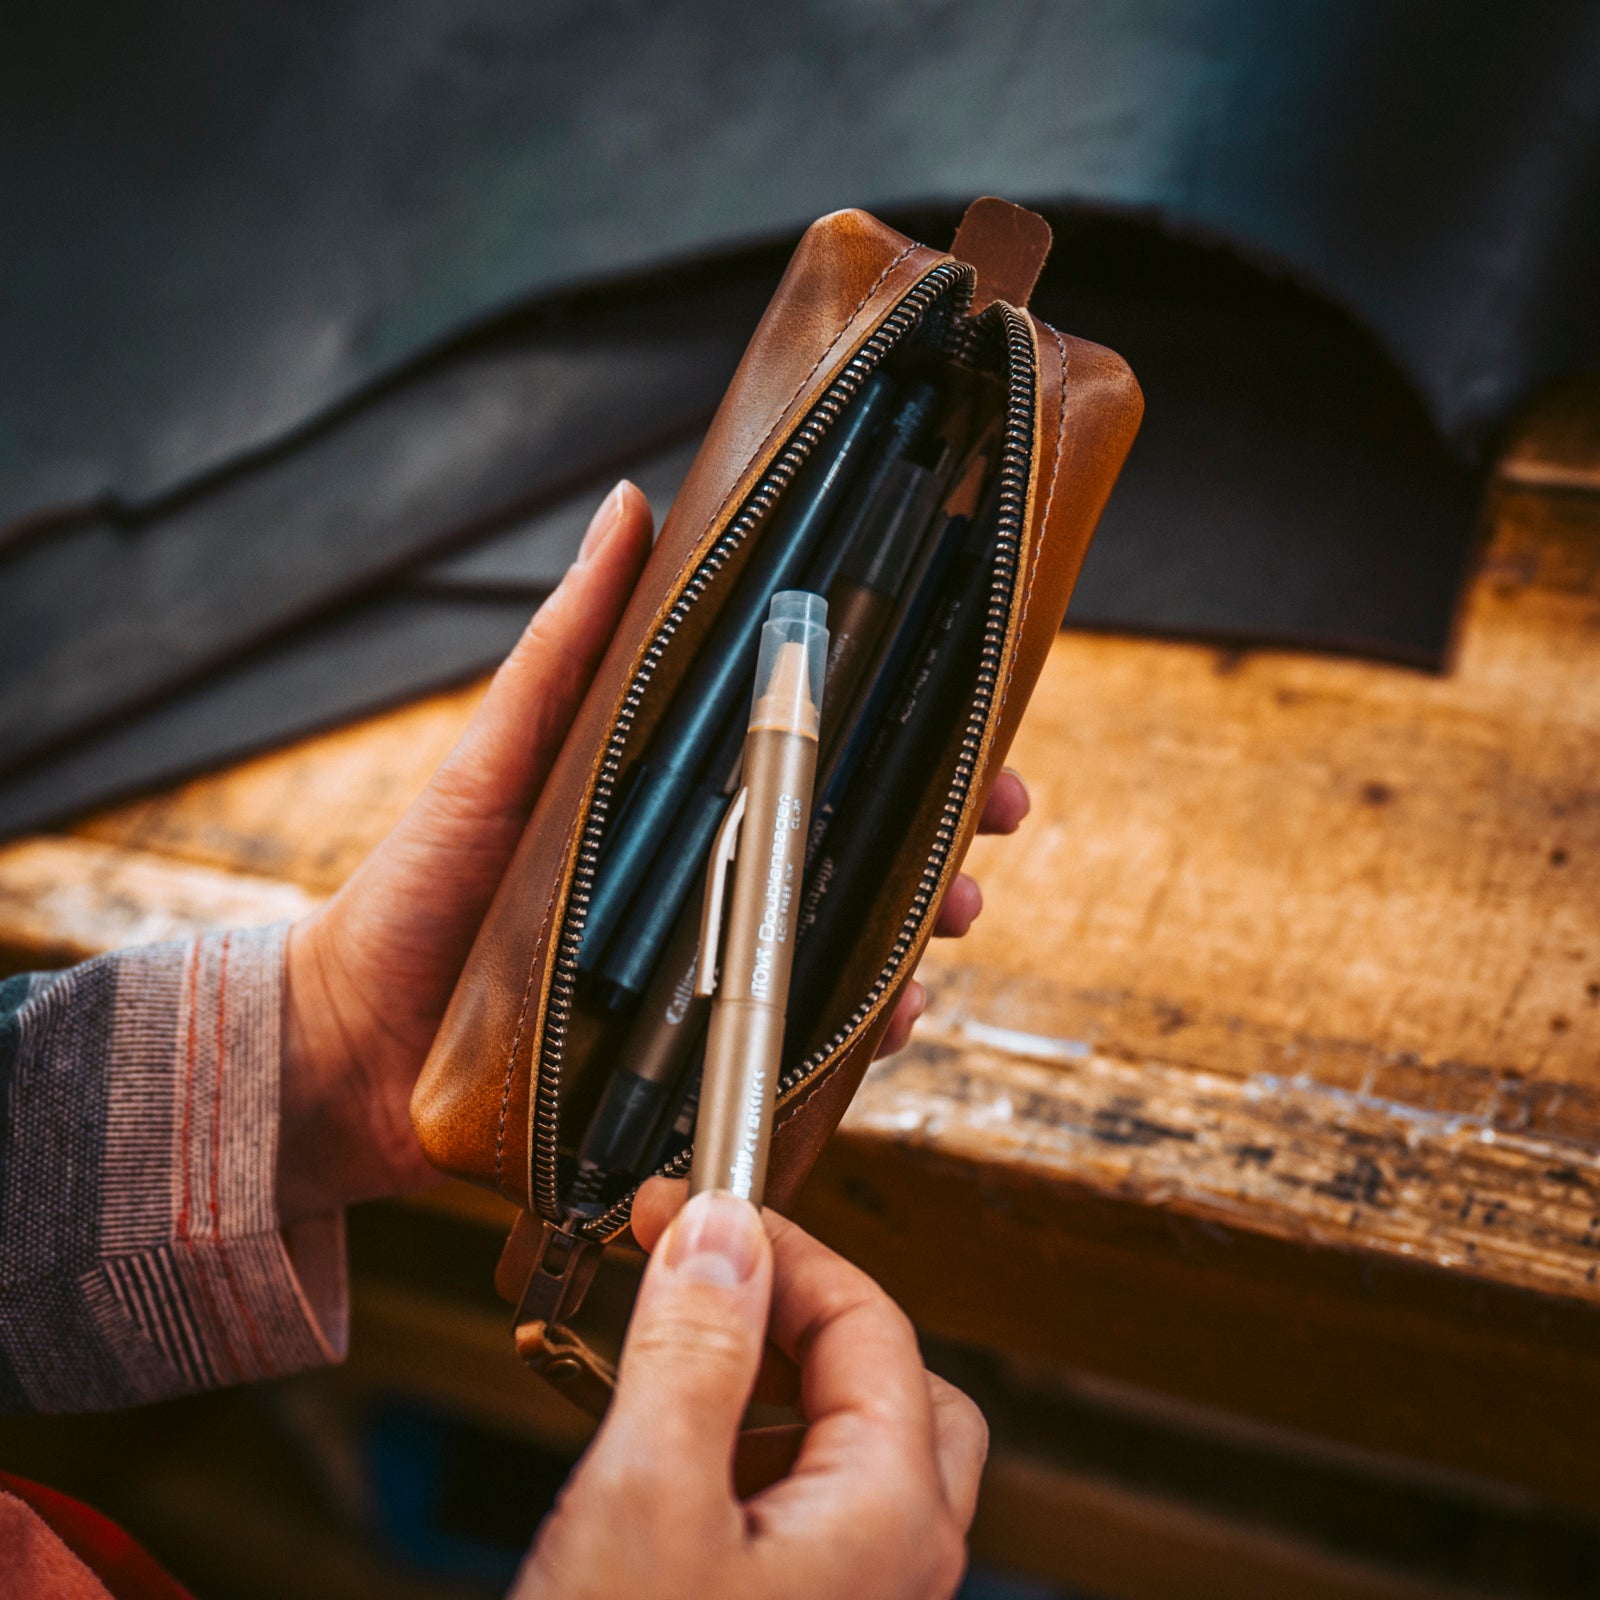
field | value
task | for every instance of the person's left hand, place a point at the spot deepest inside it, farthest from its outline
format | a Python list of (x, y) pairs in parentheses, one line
[(369, 973)]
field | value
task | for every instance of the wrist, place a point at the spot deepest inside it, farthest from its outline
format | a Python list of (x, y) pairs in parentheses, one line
[(348, 1069), (311, 1128)]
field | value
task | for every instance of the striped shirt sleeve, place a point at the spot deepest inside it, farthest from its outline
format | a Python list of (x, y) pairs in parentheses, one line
[(140, 1251)]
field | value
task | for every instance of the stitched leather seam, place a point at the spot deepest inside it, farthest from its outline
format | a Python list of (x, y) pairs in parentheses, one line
[(527, 991), (783, 411), (807, 1106), (792, 1114), (839, 337), (511, 1060), (804, 1107), (1044, 519)]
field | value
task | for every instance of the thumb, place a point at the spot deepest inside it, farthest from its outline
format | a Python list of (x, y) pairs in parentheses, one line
[(693, 1346), (506, 752)]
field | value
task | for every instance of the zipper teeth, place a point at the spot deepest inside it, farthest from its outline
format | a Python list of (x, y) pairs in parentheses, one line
[(1016, 450), (563, 983), (1014, 461)]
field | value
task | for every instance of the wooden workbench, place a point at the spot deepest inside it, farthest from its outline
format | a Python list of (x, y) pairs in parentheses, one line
[(1269, 1079)]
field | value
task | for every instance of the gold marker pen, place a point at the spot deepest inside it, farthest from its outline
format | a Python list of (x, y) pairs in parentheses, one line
[(762, 842)]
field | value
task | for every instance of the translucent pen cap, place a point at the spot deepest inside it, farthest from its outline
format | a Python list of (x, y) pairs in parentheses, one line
[(792, 663)]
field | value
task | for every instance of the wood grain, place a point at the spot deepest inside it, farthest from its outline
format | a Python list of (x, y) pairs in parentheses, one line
[(307, 813), (1270, 1076), (1291, 1159), (64, 900), (1320, 870)]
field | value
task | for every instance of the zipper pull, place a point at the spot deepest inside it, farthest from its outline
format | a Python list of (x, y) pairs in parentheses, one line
[(562, 1268), (559, 1268), (724, 848)]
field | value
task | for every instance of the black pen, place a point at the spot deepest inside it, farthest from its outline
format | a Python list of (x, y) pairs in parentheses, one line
[(862, 596), (714, 683), (878, 682), (902, 439), (889, 784), (874, 512)]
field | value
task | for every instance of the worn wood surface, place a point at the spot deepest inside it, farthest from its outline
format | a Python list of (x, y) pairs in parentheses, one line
[(64, 900), (1270, 1075), (307, 813), (1310, 942)]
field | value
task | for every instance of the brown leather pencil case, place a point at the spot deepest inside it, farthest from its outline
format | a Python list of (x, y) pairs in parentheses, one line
[(522, 1050)]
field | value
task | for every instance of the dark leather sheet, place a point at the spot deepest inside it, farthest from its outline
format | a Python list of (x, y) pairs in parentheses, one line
[(450, 620), (102, 616), (221, 220), (1287, 486), (236, 237), (377, 652)]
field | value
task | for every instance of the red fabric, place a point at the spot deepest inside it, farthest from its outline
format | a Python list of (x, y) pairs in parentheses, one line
[(122, 1565)]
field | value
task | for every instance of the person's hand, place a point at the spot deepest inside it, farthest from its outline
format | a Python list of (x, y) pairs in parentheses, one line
[(1003, 812), (870, 1497), (369, 974)]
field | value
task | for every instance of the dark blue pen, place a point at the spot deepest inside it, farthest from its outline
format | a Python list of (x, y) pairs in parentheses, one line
[(876, 693), (900, 437), (843, 753), (717, 678), (675, 872)]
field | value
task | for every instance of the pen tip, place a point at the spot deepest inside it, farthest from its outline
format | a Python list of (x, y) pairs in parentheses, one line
[(789, 678), (786, 701)]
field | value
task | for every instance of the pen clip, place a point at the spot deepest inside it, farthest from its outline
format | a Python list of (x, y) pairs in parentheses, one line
[(723, 850)]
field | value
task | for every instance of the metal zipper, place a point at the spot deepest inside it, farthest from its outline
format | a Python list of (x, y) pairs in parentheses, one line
[(1017, 351)]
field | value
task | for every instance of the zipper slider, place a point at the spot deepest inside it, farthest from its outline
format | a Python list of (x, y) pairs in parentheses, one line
[(724, 848), (562, 1269)]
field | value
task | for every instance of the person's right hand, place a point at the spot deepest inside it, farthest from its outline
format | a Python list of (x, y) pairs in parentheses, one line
[(870, 1497)]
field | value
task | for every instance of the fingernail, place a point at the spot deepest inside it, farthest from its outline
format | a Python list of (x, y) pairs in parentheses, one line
[(716, 1239), (1027, 799), (603, 521)]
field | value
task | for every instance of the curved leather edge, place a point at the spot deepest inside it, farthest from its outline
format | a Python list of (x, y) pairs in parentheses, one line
[(471, 1105), (1007, 245), (1087, 410)]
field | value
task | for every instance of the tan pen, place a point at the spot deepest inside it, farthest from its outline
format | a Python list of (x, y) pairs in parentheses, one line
[(762, 845)]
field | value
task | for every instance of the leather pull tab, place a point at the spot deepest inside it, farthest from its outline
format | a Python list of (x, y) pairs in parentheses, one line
[(566, 1362), (546, 1272), (1007, 244)]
